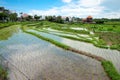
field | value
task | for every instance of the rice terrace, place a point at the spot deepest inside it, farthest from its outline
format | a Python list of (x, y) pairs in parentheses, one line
[(61, 43)]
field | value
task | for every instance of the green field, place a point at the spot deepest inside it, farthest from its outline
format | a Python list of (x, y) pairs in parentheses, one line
[(108, 34)]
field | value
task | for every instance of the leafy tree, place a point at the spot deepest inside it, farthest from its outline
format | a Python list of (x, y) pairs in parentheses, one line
[(54, 18), (67, 19), (100, 22), (59, 19), (13, 16), (3, 16), (37, 17), (6, 15), (1, 8), (49, 18), (29, 18)]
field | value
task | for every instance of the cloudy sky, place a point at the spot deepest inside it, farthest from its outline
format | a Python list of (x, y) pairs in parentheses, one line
[(78, 8)]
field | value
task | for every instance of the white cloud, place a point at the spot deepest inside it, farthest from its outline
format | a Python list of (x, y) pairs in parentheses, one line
[(90, 3), (67, 1), (52, 11), (79, 8)]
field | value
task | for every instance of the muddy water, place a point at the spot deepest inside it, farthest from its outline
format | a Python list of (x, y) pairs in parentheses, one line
[(112, 55), (35, 59)]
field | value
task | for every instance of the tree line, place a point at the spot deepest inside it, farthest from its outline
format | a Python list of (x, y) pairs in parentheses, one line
[(7, 15)]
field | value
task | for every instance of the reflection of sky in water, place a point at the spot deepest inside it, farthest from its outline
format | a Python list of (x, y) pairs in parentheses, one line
[(40, 60), (112, 55), (46, 35)]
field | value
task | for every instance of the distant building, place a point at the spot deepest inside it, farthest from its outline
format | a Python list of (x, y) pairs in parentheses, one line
[(89, 19), (25, 15)]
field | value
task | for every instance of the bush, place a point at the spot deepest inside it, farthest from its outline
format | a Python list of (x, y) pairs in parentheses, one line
[(100, 22)]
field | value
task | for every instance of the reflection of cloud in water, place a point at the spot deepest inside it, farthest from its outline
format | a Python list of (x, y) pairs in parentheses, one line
[(52, 63)]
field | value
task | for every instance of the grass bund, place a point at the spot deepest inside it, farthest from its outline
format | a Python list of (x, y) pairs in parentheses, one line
[(107, 65), (110, 70)]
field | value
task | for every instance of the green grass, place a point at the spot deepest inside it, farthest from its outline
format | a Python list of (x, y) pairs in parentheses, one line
[(3, 25), (3, 74), (110, 38), (110, 70), (108, 26), (7, 32)]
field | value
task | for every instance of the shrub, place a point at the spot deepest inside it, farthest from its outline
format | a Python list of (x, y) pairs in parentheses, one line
[(100, 22)]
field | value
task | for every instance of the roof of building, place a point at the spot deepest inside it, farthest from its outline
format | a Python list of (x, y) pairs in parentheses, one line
[(25, 15), (89, 17)]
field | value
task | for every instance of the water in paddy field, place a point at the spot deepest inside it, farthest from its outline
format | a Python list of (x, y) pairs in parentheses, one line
[(112, 55), (31, 58)]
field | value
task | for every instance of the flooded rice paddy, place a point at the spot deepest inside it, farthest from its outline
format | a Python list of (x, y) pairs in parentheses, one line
[(35, 59), (112, 55)]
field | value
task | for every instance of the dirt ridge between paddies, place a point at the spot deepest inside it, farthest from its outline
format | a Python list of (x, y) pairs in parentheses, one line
[(107, 65)]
